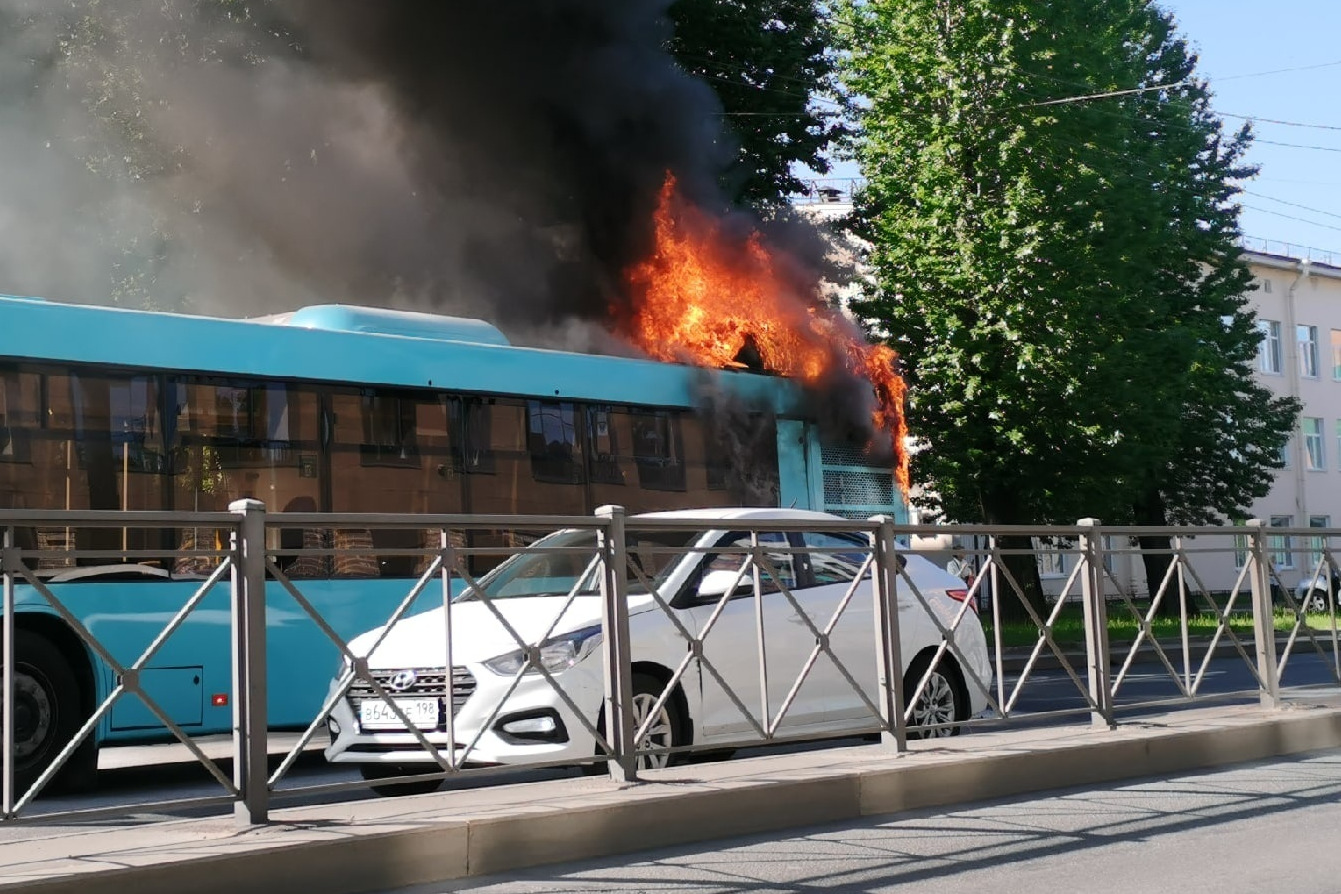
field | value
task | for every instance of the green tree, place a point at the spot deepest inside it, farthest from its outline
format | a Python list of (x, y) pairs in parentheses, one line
[(771, 65), (1050, 202)]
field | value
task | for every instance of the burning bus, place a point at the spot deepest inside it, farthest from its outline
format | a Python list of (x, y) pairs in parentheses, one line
[(341, 409)]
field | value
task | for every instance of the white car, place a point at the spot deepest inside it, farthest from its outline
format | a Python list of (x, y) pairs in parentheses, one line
[(535, 724)]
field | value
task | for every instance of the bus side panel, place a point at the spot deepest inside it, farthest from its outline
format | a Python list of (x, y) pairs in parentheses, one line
[(190, 676), (793, 462)]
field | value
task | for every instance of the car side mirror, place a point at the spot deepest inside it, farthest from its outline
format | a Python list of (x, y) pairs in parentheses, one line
[(715, 583)]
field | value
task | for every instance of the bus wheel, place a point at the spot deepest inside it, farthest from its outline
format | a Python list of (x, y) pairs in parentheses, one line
[(47, 712)]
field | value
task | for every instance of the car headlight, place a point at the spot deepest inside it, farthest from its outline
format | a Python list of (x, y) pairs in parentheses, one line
[(556, 654)]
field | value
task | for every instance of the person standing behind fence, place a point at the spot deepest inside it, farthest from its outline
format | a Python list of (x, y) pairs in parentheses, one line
[(959, 567)]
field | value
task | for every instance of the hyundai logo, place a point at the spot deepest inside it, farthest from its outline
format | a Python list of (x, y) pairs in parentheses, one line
[(402, 680)]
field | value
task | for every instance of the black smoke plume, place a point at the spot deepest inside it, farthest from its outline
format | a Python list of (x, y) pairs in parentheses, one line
[(495, 159)]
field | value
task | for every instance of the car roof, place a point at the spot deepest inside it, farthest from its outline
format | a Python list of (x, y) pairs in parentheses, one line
[(751, 513)]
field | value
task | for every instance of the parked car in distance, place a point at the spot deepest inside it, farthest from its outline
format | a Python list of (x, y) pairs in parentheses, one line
[(1318, 595), (536, 724)]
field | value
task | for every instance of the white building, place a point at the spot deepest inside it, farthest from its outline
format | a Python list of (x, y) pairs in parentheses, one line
[(1298, 304)]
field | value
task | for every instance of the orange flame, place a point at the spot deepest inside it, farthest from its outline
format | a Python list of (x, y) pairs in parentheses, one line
[(704, 300)]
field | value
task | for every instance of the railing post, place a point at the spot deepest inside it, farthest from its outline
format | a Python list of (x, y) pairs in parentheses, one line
[(1264, 616), (619, 727), (889, 660), (1097, 655), (8, 566), (250, 746)]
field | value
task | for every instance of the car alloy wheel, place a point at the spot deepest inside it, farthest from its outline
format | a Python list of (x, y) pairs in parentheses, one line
[(661, 733), (936, 707)]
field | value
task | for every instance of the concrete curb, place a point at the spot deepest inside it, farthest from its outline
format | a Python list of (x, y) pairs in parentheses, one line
[(388, 843)]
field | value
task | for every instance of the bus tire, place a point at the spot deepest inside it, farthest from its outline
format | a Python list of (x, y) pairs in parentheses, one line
[(48, 712)]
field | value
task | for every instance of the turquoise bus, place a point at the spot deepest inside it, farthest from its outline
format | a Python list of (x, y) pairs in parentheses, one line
[(332, 409)]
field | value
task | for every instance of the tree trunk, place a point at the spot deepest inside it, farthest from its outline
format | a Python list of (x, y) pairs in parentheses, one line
[(1156, 553), (1024, 569)]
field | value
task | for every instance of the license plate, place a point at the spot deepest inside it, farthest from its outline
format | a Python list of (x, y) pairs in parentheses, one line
[(377, 714)]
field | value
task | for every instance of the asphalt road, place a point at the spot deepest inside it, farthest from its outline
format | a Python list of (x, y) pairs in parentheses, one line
[(166, 773), (1270, 826)]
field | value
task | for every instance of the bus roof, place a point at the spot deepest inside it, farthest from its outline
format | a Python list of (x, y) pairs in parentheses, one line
[(360, 346)]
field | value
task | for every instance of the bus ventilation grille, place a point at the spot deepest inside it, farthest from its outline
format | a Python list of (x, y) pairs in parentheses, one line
[(853, 488)]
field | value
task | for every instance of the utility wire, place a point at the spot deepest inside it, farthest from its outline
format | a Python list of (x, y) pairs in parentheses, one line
[(1258, 120), (1311, 223), (1259, 195)]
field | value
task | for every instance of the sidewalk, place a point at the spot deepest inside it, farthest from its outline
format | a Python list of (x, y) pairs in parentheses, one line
[(387, 843)]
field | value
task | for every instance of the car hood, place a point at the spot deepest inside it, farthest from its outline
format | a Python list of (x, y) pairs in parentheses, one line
[(477, 633)]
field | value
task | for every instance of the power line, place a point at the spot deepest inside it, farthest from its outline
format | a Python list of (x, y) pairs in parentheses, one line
[(1312, 223), (1276, 71), (1296, 145), (1259, 195), (1256, 119), (1108, 95)]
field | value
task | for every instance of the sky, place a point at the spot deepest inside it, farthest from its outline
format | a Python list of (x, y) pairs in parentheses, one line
[(1278, 61), (1273, 61)]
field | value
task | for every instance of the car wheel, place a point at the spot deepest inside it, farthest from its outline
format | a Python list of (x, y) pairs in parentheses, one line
[(939, 703), (664, 731), (47, 712), (1317, 601), (373, 772)]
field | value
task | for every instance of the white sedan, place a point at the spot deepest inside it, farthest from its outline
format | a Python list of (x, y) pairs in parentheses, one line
[(505, 711)]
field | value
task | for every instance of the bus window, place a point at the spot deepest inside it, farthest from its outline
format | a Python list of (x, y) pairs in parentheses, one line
[(551, 437), (658, 450), (244, 441), (392, 452)]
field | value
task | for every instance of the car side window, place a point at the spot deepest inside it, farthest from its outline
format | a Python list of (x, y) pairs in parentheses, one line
[(784, 563), (837, 557)]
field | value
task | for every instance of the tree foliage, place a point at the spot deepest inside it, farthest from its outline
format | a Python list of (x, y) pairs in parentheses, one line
[(1061, 274), (771, 65)]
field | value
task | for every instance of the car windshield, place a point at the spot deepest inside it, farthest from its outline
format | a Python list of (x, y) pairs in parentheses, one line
[(555, 565)]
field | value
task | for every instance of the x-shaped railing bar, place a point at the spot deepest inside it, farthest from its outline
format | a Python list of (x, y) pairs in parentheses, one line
[(127, 679), (695, 644), (1222, 626), (1146, 631), (1326, 562), (1301, 625), (354, 665), (532, 652), (822, 637), (1045, 637), (947, 644)]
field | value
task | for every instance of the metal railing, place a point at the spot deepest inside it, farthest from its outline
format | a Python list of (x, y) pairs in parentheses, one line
[(1219, 573)]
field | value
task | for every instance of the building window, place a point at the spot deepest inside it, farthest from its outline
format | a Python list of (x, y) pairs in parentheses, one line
[(1268, 350), (1308, 351), (1336, 355), (1314, 450), (1316, 545), (1280, 549)]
